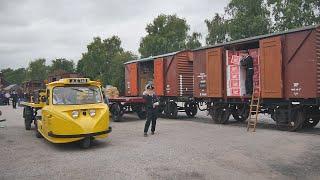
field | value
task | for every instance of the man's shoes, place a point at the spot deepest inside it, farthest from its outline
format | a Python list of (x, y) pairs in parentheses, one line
[(152, 133), (145, 135)]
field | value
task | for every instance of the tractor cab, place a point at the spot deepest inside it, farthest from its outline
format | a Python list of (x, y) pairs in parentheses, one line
[(72, 109)]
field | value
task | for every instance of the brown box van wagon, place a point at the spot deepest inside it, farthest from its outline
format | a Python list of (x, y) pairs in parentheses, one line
[(172, 75), (289, 75)]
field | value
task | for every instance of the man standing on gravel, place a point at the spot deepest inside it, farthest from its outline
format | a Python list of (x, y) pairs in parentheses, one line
[(151, 107)]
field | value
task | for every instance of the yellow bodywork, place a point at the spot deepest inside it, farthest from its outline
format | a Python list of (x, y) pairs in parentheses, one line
[(58, 125)]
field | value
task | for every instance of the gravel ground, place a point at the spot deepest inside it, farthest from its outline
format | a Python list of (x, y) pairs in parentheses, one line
[(181, 149)]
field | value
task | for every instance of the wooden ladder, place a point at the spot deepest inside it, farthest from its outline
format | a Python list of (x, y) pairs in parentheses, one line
[(254, 112)]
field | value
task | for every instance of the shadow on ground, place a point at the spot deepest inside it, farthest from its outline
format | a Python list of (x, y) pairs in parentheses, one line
[(207, 119)]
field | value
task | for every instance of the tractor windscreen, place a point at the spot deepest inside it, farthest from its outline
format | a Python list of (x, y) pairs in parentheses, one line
[(76, 95)]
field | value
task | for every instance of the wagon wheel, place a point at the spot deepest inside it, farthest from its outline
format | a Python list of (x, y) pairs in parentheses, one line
[(160, 109), (141, 111), (310, 122), (85, 143), (191, 109), (28, 117), (220, 114), (38, 134), (295, 122), (171, 110), (211, 112), (116, 111), (214, 113), (223, 115), (240, 113)]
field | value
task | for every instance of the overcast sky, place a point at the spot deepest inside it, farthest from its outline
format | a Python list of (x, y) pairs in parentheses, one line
[(31, 29)]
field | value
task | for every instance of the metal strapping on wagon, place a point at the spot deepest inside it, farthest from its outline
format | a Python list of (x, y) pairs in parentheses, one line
[(151, 58)]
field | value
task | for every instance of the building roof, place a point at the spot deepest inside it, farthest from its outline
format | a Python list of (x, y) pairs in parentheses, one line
[(12, 86), (255, 38)]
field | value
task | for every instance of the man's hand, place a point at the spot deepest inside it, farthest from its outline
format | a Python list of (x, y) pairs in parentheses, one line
[(155, 104)]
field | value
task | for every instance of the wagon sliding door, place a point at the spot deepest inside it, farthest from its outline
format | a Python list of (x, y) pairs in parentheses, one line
[(271, 67), (131, 74), (214, 72), (158, 77)]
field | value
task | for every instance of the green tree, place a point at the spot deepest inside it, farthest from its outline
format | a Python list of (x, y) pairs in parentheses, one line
[(294, 13), (37, 70), (217, 29), (247, 18), (167, 33), (104, 61), (94, 62), (116, 76), (193, 41), (16, 76), (62, 64)]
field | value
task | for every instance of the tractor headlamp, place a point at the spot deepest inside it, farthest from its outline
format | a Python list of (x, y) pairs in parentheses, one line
[(92, 112), (75, 114)]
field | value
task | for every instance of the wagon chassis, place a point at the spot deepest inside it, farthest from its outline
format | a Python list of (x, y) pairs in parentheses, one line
[(168, 107), (289, 115)]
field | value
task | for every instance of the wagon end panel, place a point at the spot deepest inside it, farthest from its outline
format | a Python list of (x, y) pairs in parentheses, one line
[(214, 61), (318, 59), (170, 73), (271, 67), (200, 76), (300, 66), (127, 80), (184, 64), (132, 79), (159, 77)]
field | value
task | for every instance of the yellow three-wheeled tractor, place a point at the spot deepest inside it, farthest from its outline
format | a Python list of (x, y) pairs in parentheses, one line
[(72, 109)]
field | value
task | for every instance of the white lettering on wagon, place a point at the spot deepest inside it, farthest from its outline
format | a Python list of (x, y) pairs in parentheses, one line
[(296, 89), (168, 88)]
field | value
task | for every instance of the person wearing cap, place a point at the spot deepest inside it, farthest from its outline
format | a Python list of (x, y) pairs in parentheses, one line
[(247, 62), (151, 107)]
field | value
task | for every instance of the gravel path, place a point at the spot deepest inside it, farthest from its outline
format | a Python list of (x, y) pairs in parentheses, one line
[(181, 149)]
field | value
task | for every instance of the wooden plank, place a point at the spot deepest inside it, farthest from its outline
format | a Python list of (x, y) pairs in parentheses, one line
[(214, 72), (271, 67), (133, 79), (159, 77)]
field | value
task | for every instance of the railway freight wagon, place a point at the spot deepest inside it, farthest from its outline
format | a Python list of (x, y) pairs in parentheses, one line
[(172, 76), (286, 75)]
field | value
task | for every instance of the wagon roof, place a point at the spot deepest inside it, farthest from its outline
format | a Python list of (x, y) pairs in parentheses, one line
[(258, 37), (153, 57)]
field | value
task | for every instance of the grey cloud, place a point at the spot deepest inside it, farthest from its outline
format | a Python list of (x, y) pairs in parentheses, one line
[(34, 28)]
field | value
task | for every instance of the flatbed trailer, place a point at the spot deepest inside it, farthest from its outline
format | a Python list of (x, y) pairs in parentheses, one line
[(121, 105)]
